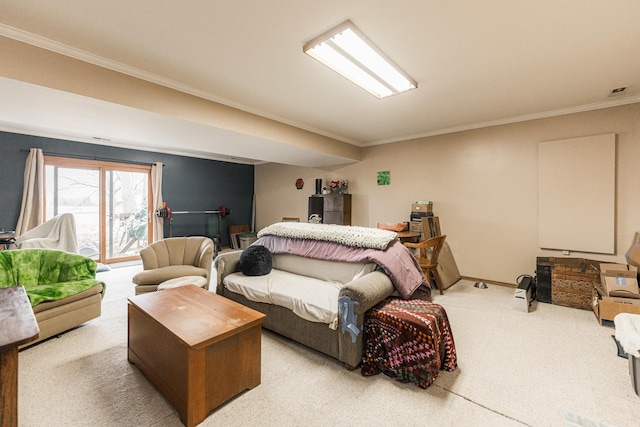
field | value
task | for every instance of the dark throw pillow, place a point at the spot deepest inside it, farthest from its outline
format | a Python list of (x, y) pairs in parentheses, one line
[(255, 261)]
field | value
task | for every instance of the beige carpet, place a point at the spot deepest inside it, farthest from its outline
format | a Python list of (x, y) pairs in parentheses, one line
[(514, 369)]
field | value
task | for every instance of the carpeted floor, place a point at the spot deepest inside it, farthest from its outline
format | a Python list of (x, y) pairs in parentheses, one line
[(514, 369)]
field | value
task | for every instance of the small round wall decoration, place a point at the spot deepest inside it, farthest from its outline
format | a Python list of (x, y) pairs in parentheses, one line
[(299, 183)]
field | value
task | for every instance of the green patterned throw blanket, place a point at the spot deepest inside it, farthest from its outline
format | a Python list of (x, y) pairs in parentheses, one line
[(46, 274)]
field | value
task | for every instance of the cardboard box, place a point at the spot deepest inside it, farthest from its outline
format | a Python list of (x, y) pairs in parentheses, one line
[(447, 267), (416, 226), (633, 254), (422, 207), (431, 226), (619, 280), (606, 308)]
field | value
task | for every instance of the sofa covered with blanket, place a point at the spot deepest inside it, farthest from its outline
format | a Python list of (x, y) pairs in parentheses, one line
[(322, 281), (61, 286)]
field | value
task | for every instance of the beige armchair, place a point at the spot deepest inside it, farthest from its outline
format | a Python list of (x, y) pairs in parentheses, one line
[(172, 258)]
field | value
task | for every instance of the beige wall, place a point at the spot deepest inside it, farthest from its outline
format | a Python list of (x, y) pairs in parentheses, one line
[(483, 184)]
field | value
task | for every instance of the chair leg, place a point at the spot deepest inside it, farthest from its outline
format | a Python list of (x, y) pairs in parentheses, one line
[(436, 278)]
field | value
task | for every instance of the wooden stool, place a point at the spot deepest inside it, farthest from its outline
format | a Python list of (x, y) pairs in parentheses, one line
[(409, 340)]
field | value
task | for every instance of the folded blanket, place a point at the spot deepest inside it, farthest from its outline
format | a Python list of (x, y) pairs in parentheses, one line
[(348, 235)]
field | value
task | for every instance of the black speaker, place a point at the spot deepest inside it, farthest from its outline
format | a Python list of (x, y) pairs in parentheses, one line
[(318, 186), (316, 208), (544, 266)]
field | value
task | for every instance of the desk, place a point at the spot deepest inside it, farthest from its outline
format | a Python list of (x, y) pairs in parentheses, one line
[(19, 326), (408, 236)]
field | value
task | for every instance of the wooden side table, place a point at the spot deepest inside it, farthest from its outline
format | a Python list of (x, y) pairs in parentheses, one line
[(408, 236), (19, 326)]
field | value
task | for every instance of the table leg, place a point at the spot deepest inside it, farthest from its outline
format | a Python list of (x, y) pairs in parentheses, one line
[(9, 387)]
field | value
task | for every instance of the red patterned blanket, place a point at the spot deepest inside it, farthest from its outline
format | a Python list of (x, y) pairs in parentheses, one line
[(410, 340)]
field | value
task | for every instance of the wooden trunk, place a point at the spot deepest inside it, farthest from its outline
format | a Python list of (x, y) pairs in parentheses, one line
[(197, 348), (572, 281)]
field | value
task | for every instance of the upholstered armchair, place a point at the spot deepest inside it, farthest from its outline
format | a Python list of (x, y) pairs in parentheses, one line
[(172, 258)]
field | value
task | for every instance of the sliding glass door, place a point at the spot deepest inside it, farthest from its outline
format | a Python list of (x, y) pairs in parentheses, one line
[(126, 213), (76, 191), (110, 203)]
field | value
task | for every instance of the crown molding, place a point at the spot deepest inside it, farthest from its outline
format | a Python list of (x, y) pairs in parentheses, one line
[(81, 55), (516, 119), (51, 45)]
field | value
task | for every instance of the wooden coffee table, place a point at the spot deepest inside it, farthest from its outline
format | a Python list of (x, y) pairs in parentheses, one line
[(197, 348)]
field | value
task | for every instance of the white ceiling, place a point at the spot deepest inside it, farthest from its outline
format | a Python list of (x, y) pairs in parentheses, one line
[(476, 64)]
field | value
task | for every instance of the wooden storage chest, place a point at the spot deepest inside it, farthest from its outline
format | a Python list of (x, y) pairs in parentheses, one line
[(567, 281)]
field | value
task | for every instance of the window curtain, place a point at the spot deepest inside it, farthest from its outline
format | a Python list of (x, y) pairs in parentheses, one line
[(32, 209), (156, 194)]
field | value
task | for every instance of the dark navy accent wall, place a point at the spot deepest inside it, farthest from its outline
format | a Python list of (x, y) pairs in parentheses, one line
[(188, 184)]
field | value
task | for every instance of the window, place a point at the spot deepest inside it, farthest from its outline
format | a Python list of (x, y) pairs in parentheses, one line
[(110, 203)]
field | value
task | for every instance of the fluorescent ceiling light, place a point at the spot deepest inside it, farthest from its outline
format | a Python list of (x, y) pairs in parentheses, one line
[(349, 52)]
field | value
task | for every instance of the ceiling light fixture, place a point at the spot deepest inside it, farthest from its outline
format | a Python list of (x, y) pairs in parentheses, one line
[(347, 51)]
